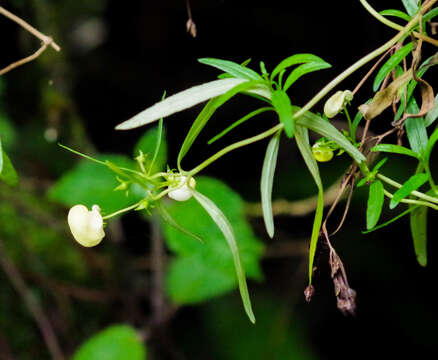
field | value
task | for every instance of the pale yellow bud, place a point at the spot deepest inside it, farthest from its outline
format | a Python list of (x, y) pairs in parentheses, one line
[(86, 225), (336, 103), (183, 189)]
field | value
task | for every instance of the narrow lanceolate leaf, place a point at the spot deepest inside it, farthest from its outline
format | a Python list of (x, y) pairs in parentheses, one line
[(375, 203), (267, 181), (180, 101), (232, 68), (396, 13), (389, 65), (432, 115), (207, 112), (295, 59), (411, 6), (302, 139), (303, 70), (413, 183), (417, 134), (418, 221), (282, 105), (323, 127), (222, 222), (170, 220), (396, 149)]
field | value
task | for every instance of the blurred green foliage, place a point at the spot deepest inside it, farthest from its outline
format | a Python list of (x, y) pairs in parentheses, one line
[(113, 343)]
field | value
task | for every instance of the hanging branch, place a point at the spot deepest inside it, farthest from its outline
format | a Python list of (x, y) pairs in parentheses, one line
[(46, 41)]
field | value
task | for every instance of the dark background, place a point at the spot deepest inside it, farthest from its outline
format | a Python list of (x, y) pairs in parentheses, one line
[(145, 50)]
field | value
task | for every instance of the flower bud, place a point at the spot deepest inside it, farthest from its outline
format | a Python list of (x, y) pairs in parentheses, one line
[(183, 189), (321, 152), (86, 226), (336, 103)]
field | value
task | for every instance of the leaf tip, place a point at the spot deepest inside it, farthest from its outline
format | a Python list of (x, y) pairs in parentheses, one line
[(422, 260)]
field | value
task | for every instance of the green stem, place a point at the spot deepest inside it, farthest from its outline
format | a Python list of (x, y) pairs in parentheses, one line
[(361, 62), (415, 193), (121, 211), (234, 146), (412, 202)]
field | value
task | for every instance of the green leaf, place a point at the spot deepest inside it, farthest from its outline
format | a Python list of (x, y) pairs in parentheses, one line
[(303, 70), (238, 122), (1, 156), (323, 127), (418, 222), (396, 149), (412, 184), (281, 102), (430, 145), (7, 171), (165, 215), (395, 218), (267, 181), (232, 68), (205, 270), (302, 139), (114, 343), (90, 183), (181, 101), (430, 14), (224, 225), (157, 156), (207, 112), (432, 115), (417, 134), (295, 59), (411, 6), (390, 64), (375, 203), (396, 13)]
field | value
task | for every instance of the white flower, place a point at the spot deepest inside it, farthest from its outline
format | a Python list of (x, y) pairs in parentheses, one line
[(336, 102), (183, 189), (86, 226)]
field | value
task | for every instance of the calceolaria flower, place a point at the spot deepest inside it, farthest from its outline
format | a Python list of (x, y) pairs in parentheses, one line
[(86, 225), (336, 103), (322, 152), (183, 187)]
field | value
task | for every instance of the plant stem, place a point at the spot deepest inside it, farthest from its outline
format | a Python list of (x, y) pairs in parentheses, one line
[(412, 202), (394, 25), (121, 211), (234, 146), (361, 62), (415, 193)]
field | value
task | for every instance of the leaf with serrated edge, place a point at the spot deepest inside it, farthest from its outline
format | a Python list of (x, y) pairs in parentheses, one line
[(266, 182), (222, 222)]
